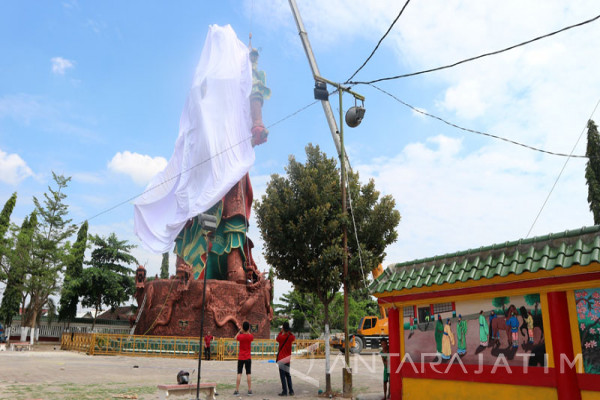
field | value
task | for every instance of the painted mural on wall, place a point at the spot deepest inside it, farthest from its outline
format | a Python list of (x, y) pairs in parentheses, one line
[(478, 331), (588, 315)]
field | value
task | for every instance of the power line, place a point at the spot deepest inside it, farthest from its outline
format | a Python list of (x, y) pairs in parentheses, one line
[(477, 57), (168, 180), (380, 40), (473, 130), (194, 166), (561, 172)]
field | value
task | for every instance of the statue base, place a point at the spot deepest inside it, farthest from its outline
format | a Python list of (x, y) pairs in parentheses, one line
[(173, 307)]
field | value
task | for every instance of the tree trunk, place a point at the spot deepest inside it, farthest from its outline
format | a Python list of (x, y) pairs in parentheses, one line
[(327, 351)]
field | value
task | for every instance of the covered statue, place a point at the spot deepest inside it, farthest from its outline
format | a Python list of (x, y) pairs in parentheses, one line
[(208, 174)]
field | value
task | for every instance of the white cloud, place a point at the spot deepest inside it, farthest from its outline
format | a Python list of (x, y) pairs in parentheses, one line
[(139, 167), (60, 65), (13, 169)]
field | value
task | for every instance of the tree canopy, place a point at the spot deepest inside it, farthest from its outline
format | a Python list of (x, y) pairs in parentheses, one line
[(49, 249), (300, 218), (108, 280), (69, 296), (592, 170)]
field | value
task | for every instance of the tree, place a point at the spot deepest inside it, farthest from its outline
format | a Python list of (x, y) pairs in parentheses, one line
[(4, 225), (49, 250), (19, 260), (108, 281), (592, 170), (69, 297), (301, 218), (533, 300), (501, 302), (164, 267)]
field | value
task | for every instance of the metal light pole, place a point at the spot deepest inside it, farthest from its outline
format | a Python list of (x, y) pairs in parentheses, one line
[(321, 92), (209, 225)]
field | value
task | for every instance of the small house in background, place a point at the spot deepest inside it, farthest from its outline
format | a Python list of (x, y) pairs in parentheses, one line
[(513, 320), (84, 314), (118, 314)]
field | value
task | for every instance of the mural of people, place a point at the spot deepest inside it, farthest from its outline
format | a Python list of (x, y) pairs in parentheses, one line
[(483, 329), (439, 333), (467, 336), (513, 322), (447, 341), (461, 336)]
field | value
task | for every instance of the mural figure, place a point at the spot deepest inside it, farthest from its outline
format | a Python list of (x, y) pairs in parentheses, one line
[(447, 341), (513, 322), (439, 333), (500, 324), (529, 321), (491, 318), (461, 334), (483, 329)]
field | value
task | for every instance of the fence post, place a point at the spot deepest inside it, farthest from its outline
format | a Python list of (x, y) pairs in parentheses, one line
[(92, 344)]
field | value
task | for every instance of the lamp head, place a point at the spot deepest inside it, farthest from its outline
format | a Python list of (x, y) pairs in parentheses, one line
[(354, 116)]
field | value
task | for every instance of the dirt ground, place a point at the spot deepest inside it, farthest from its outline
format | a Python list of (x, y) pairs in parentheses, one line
[(52, 374)]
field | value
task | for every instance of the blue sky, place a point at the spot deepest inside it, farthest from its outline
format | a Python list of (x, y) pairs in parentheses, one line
[(94, 90)]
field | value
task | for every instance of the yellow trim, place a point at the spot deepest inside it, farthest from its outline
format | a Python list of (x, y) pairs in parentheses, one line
[(495, 292), (574, 323), (556, 272), (439, 389), (547, 330), (401, 323)]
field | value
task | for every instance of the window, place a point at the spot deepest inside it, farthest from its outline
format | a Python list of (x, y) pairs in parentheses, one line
[(442, 307), (367, 323), (409, 312)]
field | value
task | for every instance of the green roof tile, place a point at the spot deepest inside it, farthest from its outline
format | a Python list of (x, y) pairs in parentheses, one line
[(542, 253)]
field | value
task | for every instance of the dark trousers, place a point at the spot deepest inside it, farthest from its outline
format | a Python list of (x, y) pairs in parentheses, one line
[(286, 378), (207, 353)]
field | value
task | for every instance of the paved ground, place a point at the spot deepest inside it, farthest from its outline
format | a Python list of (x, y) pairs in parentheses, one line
[(51, 374)]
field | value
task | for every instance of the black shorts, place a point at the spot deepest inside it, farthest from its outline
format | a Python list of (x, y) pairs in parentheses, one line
[(247, 363)]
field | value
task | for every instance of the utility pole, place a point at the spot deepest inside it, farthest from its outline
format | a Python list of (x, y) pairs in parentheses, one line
[(315, 71), (338, 139)]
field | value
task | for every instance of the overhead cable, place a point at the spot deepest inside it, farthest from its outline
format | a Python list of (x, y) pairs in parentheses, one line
[(194, 166), (561, 171), (477, 57), (380, 40), (476, 131)]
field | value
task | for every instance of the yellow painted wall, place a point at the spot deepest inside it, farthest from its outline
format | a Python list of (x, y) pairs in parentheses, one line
[(414, 389), (587, 395)]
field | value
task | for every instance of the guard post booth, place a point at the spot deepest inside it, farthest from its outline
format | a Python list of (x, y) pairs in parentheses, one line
[(513, 320)]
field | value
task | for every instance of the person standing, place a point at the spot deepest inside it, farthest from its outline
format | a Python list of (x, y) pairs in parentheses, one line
[(483, 329), (285, 338), (447, 341), (207, 339), (386, 374), (244, 357), (461, 333)]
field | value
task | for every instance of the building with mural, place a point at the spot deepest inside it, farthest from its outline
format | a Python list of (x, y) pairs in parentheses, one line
[(517, 319)]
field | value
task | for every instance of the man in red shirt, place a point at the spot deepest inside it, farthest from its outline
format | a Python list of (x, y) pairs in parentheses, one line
[(207, 339), (285, 338), (245, 338)]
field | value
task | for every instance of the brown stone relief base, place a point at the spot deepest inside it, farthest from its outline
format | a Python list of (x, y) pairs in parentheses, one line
[(173, 310)]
